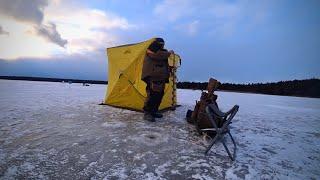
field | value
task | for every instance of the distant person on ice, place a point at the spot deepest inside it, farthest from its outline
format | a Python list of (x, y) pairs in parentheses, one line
[(155, 73)]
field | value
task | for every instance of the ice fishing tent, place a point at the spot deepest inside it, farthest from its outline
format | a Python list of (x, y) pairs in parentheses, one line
[(125, 87)]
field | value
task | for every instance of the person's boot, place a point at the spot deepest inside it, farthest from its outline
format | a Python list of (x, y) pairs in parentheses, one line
[(149, 117), (157, 115)]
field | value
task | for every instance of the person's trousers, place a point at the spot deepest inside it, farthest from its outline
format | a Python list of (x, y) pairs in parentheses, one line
[(154, 97)]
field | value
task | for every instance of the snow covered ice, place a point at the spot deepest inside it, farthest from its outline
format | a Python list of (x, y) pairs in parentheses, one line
[(58, 131)]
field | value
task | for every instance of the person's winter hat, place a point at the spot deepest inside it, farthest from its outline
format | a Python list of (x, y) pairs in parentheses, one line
[(160, 40)]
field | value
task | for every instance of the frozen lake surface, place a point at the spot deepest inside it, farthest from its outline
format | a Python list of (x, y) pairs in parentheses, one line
[(58, 131)]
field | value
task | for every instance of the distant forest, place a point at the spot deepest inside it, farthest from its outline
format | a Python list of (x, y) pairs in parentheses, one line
[(303, 88), (25, 78)]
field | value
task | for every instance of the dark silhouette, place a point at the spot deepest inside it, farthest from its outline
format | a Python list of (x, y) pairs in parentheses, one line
[(303, 88), (52, 79)]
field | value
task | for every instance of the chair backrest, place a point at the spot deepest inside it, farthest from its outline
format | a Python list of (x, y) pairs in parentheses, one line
[(214, 113)]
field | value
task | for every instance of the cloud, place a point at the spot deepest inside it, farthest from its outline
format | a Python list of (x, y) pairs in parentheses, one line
[(178, 9), (86, 29), (23, 41), (24, 10), (190, 29), (223, 18), (37, 30), (31, 12), (225, 10), (219, 16), (50, 33), (76, 66), (3, 31), (173, 10)]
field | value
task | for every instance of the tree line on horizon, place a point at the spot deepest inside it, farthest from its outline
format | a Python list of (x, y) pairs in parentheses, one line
[(304, 88)]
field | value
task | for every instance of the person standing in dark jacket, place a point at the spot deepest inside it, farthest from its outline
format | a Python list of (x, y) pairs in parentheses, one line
[(155, 73)]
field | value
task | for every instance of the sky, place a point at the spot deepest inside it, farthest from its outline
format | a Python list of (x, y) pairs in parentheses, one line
[(232, 41)]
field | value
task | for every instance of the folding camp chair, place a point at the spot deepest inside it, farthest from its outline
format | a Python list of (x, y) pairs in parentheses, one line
[(214, 113)]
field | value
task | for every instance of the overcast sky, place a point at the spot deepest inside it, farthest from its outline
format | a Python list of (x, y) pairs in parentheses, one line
[(232, 41)]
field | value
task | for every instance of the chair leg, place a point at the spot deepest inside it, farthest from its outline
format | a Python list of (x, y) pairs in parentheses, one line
[(234, 145), (212, 143), (226, 148), (212, 111), (216, 138)]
